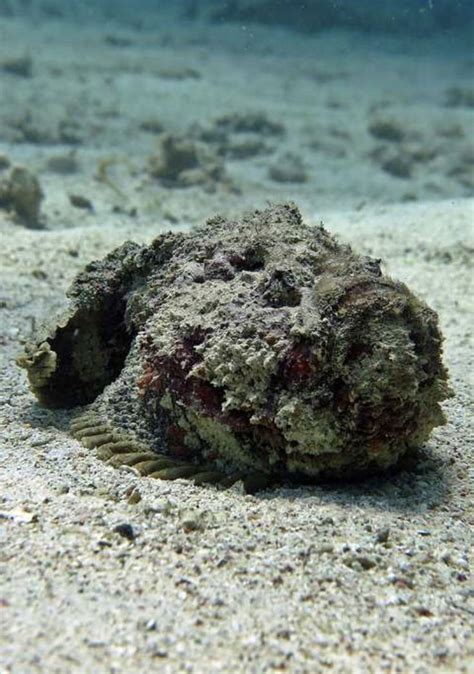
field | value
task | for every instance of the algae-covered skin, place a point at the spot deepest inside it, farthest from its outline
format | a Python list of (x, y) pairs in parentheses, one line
[(259, 346)]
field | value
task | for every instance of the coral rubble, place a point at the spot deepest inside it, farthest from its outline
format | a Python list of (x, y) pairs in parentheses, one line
[(21, 192)]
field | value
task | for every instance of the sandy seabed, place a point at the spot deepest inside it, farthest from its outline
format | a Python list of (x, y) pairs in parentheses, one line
[(369, 577)]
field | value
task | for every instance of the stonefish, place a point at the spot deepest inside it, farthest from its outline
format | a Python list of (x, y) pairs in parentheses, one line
[(256, 349)]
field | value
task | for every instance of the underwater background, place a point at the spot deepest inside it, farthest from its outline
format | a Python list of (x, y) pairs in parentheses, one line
[(170, 110), (123, 119)]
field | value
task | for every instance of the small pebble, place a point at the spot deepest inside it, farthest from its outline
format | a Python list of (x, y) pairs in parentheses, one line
[(20, 66), (63, 164), (4, 162), (79, 201), (382, 535), (40, 442), (125, 530), (190, 521), (134, 497)]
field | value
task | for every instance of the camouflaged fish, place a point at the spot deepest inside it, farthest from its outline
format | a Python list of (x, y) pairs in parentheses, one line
[(256, 350)]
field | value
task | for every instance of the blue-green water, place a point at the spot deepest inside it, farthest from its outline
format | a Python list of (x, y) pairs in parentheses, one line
[(176, 109)]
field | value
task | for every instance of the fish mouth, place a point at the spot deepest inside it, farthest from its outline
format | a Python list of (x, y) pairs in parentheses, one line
[(84, 353)]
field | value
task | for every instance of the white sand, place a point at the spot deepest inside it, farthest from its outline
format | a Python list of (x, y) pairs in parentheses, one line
[(291, 580)]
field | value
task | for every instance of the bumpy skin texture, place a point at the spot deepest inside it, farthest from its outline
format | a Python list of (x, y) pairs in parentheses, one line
[(255, 345)]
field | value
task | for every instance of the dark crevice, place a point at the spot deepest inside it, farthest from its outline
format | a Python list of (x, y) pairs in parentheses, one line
[(91, 350)]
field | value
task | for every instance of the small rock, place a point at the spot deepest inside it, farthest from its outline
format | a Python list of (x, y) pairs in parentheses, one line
[(126, 530), (152, 125), (250, 122), (181, 162), (22, 193), (398, 166), (423, 611), (63, 164), (423, 532), (162, 507), (191, 521), (40, 275), (325, 548), (21, 66), (155, 650), (366, 562), (19, 515), (288, 169), (244, 149), (178, 73), (117, 41), (382, 535), (4, 162), (386, 129), (360, 561), (105, 493), (459, 97), (40, 442), (134, 497), (79, 201)]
